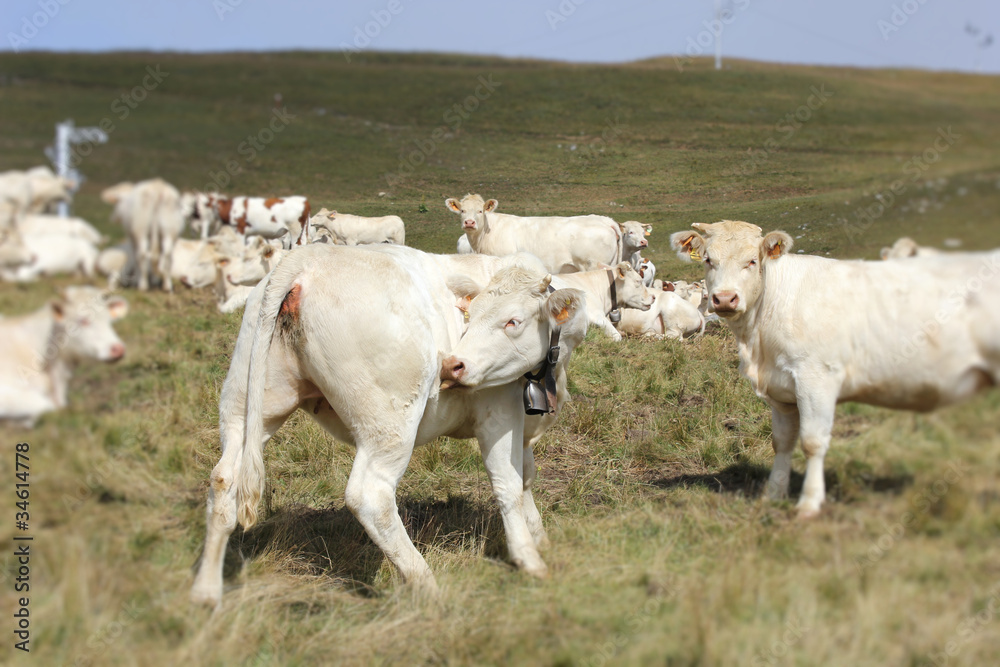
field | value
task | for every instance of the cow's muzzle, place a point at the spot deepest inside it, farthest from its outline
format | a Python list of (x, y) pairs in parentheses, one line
[(469, 224), (452, 370), (725, 303)]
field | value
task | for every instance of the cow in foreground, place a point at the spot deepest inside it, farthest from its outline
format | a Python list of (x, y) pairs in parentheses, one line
[(813, 332), (366, 358), (564, 244), (39, 350)]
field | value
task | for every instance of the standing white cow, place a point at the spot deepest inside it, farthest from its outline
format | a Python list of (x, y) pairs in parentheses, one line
[(350, 229), (564, 244), (812, 332), (40, 350), (285, 218), (363, 357), (608, 290), (150, 212)]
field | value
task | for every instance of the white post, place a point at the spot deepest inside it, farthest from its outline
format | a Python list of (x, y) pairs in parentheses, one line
[(63, 132), (718, 34)]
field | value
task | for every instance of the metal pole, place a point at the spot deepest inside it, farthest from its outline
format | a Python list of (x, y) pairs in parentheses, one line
[(63, 132), (718, 34)]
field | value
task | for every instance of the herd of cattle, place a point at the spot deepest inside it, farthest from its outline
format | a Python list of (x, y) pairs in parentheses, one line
[(477, 343)]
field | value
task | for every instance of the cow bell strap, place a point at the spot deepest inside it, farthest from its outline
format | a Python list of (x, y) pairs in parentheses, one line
[(614, 315), (534, 402)]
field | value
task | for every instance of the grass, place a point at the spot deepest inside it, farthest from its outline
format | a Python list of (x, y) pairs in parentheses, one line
[(663, 551)]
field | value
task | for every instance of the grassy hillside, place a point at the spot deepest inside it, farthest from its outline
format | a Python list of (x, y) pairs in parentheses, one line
[(663, 551)]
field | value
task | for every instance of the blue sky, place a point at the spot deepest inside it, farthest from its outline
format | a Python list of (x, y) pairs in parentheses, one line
[(926, 34)]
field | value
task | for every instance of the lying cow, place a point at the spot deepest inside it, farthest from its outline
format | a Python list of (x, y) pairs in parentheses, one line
[(671, 316), (39, 350), (53, 255), (463, 247), (237, 276), (13, 251), (906, 247), (285, 218), (608, 290), (564, 244), (350, 229), (814, 332), (364, 357), (42, 223)]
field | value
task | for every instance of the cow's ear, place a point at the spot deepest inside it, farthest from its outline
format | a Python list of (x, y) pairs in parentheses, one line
[(453, 205), (117, 307), (885, 253), (491, 205), (690, 246), (268, 251), (668, 287), (58, 310), (465, 290), (563, 305), (774, 245), (648, 228), (623, 269)]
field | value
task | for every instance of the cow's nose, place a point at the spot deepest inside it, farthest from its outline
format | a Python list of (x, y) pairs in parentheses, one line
[(644, 243), (452, 370), (117, 351), (469, 224), (725, 302)]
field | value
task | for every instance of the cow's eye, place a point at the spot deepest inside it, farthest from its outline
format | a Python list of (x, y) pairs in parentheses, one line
[(512, 324), (708, 262), (752, 263)]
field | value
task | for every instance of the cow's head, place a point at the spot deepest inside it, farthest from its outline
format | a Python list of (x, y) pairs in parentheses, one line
[(510, 327), (903, 247), (472, 209), (734, 255), (631, 291), (634, 236), (85, 315)]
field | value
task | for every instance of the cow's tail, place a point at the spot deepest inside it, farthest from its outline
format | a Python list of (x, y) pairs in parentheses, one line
[(250, 475)]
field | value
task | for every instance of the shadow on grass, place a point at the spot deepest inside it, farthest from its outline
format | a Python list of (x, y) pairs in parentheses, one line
[(748, 479), (331, 542)]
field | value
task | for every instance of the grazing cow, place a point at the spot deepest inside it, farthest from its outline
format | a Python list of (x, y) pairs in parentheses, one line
[(813, 332), (463, 247), (906, 247), (43, 223), (671, 316), (13, 251), (53, 255), (40, 350), (565, 245), (113, 194), (364, 357), (150, 212), (285, 218), (350, 229), (608, 290)]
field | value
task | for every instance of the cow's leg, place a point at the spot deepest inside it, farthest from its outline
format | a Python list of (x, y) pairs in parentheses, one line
[(816, 412), (371, 497), (141, 246), (609, 328), (222, 505), (531, 515), (167, 262), (784, 433), (501, 442)]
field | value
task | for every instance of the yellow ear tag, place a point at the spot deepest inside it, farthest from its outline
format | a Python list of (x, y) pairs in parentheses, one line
[(695, 256)]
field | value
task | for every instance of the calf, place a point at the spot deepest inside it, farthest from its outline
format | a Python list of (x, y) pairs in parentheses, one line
[(350, 229), (364, 357), (41, 223), (607, 290), (53, 255), (670, 316), (813, 332), (13, 251), (40, 350), (906, 247)]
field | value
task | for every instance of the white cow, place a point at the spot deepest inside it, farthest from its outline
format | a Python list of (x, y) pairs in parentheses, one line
[(463, 247), (284, 218), (906, 247), (34, 191), (813, 332), (43, 223), (350, 229), (564, 244), (40, 350), (363, 357), (199, 210), (150, 212), (13, 251), (671, 316), (237, 276), (628, 288), (54, 254)]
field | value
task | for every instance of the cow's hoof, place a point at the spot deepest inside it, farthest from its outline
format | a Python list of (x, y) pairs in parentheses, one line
[(806, 512), (536, 569), (206, 598)]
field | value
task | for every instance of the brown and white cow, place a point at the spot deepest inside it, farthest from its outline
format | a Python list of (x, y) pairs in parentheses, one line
[(39, 350), (285, 218), (363, 357), (813, 332), (564, 244)]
